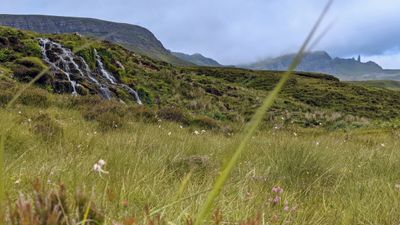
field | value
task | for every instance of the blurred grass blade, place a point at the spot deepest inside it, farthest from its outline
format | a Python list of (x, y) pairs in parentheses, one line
[(255, 122), (183, 185)]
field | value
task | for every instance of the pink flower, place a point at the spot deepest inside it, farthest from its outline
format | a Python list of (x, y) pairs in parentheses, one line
[(286, 209), (276, 200), (277, 190)]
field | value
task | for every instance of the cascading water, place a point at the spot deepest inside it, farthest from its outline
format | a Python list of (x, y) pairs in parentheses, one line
[(65, 56), (103, 71), (77, 70), (105, 92), (133, 93), (112, 79)]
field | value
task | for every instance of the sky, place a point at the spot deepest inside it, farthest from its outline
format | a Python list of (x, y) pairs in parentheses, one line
[(244, 31)]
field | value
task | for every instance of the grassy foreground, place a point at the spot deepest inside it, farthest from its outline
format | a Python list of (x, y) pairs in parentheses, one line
[(327, 177)]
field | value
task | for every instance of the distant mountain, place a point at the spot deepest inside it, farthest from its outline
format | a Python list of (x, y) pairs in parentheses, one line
[(197, 59), (322, 62), (130, 36)]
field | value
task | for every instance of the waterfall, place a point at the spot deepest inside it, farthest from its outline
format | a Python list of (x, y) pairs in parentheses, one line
[(133, 93), (103, 71), (104, 91), (112, 79), (63, 58), (75, 67)]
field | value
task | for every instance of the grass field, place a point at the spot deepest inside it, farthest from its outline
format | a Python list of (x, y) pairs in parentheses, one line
[(327, 177)]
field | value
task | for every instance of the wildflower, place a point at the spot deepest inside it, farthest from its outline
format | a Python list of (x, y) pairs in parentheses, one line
[(203, 131), (29, 120), (196, 132), (317, 143), (95, 132), (17, 181), (181, 126), (277, 199), (98, 167), (19, 112), (159, 120), (159, 126), (277, 190), (169, 133), (295, 134), (101, 162), (382, 145), (286, 209)]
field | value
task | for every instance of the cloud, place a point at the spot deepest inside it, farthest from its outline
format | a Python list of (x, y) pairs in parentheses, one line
[(241, 31)]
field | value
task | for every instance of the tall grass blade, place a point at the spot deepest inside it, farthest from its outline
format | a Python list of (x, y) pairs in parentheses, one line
[(254, 123)]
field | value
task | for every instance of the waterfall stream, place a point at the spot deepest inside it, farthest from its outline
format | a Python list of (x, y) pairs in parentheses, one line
[(72, 66), (63, 58)]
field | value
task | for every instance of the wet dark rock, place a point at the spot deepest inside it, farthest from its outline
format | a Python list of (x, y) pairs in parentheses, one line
[(62, 87)]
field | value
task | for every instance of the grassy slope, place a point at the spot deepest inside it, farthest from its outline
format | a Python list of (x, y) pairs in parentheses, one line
[(329, 177), (223, 97), (388, 84)]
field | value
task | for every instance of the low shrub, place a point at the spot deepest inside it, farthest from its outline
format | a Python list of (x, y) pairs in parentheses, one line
[(205, 122), (173, 114)]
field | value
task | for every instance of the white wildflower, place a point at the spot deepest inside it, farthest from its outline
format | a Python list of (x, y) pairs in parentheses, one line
[(96, 167), (101, 162), (203, 131), (382, 145), (181, 126), (17, 181), (196, 132), (169, 133)]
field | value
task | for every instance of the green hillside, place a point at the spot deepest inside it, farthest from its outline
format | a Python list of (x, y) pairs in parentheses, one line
[(210, 97), (388, 84)]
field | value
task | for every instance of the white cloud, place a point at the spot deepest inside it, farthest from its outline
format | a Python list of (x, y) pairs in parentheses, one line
[(239, 31)]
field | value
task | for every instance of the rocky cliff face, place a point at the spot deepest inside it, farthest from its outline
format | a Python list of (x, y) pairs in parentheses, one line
[(132, 37)]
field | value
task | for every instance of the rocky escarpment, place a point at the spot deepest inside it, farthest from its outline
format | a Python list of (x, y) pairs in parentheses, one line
[(71, 73)]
